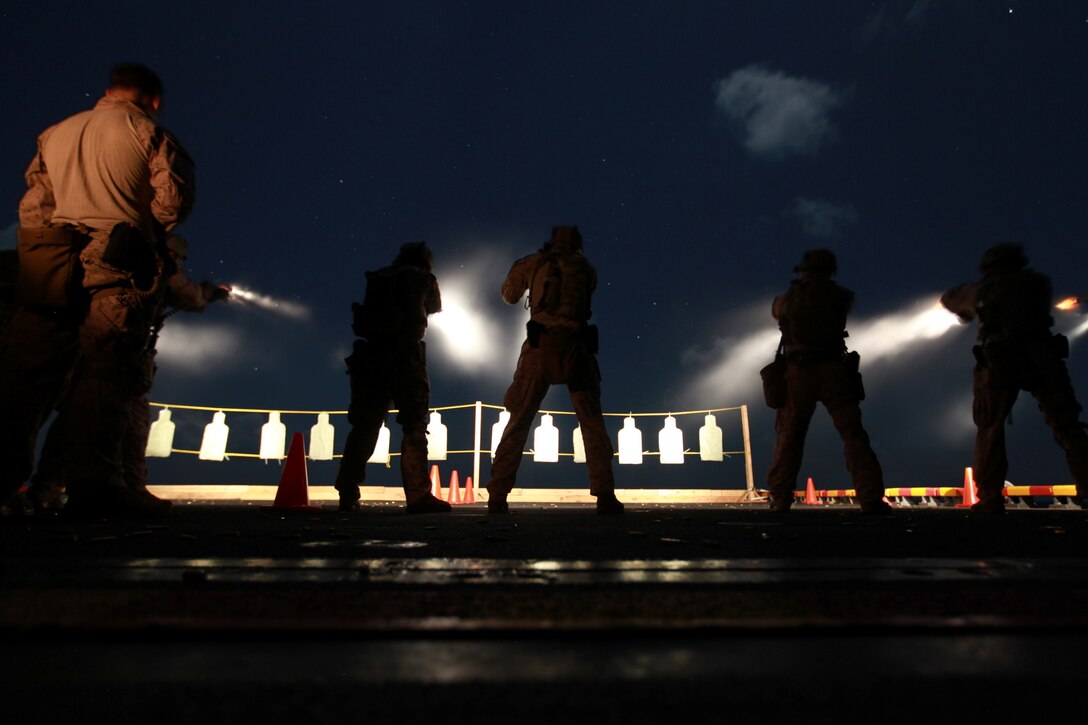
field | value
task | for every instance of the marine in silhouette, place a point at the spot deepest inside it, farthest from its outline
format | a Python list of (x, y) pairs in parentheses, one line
[(817, 368), (388, 367), (560, 348), (1016, 351)]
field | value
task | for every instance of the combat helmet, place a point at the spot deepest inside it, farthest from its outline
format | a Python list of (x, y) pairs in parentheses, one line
[(1005, 257), (564, 239), (415, 254), (820, 261)]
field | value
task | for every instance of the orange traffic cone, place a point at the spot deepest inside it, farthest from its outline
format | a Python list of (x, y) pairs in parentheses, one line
[(294, 482), (436, 482), (810, 493), (970, 493), (470, 494), (454, 495)]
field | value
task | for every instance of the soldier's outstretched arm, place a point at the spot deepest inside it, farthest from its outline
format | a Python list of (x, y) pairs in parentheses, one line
[(962, 300), (517, 280)]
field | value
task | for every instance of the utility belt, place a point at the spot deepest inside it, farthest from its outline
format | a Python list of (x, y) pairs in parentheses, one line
[(775, 384), (385, 353), (991, 353), (1020, 363), (51, 272), (588, 335), (817, 356)]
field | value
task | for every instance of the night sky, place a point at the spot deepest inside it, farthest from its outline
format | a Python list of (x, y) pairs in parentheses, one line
[(699, 146)]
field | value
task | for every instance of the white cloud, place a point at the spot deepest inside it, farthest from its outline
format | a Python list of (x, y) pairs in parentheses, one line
[(823, 218), (198, 348), (781, 115), (892, 19)]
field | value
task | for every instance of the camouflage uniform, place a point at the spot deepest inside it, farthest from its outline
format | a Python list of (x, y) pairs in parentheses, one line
[(1016, 351), (93, 171), (812, 316), (387, 367), (561, 349), (179, 293)]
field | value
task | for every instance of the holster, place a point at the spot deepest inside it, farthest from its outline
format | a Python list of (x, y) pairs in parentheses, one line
[(533, 330), (775, 390), (853, 367), (50, 272), (129, 249)]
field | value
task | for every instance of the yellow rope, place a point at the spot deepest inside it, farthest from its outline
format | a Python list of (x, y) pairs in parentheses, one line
[(464, 406), (393, 454)]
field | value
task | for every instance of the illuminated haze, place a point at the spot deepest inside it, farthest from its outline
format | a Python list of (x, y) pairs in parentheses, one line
[(476, 333), (734, 375)]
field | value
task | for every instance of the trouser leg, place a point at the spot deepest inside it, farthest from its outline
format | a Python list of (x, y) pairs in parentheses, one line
[(112, 340), (413, 461), (990, 462), (861, 461), (37, 357), (365, 427), (522, 399), (791, 426), (98, 419), (1059, 405), (587, 408), (134, 447)]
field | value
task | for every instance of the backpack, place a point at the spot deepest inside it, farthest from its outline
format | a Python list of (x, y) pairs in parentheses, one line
[(1014, 306), (814, 315), (395, 304), (560, 289)]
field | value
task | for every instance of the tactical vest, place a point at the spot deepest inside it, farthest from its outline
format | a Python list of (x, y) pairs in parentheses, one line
[(813, 316), (1014, 306), (394, 305), (560, 290)]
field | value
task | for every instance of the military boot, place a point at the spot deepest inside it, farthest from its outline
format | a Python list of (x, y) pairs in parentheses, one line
[(608, 504), (112, 502), (428, 504), (496, 501)]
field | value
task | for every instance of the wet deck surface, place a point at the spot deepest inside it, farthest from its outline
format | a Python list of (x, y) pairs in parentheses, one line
[(551, 613)]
